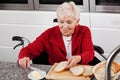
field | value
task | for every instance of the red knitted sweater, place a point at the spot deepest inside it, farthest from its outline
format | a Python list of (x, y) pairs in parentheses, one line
[(52, 42)]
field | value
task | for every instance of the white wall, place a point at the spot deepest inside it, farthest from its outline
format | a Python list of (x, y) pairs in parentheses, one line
[(28, 24), (105, 28)]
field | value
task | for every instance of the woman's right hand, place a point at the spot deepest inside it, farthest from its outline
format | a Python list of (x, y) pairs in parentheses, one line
[(24, 62)]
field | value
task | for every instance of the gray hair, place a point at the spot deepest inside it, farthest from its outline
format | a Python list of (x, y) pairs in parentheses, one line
[(68, 9)]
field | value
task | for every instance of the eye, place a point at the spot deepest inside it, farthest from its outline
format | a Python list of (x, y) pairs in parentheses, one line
[(61, 22), (69, 22)]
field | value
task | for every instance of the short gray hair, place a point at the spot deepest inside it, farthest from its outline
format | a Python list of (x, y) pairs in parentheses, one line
[(68, 9)]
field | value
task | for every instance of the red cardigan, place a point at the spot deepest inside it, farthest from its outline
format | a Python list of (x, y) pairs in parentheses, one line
[(52, 42)]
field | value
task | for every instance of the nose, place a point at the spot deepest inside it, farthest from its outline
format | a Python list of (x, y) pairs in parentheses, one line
[(65, 25)]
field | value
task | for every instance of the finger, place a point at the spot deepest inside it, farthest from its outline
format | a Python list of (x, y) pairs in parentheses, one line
[(69, 61), (19, 62), (72, 63), (78, 59), (28, 62), (22, 62)]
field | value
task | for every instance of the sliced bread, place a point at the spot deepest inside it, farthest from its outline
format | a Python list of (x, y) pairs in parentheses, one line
[(88, 70), (77, 70), (61, 66)]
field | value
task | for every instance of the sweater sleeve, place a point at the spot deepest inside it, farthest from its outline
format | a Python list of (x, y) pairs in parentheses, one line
[(33, 49), (87, 54)]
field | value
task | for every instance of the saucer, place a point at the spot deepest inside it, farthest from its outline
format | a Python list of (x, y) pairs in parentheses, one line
[(36, 75)]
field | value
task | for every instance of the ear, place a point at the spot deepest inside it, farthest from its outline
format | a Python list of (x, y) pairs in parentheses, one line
[(78, 21)]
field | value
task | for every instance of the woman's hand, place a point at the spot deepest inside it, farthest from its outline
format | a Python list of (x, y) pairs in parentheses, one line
[(72, 61), (24, 62)]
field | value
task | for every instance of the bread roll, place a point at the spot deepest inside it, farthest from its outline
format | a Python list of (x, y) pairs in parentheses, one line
[(77, 70), (99, 70), (61, 66), (88, 70), (115, 67)]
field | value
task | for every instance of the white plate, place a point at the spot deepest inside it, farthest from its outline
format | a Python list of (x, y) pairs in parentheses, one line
[(42, 75)]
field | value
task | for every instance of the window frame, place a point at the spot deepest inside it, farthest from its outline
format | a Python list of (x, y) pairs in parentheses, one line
[(103, 8), (17, 6), (51, 7)]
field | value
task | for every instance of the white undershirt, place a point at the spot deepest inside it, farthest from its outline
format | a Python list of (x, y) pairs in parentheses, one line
[(67, 42)]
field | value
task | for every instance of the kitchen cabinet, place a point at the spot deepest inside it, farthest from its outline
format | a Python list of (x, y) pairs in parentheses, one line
[(16, 5)]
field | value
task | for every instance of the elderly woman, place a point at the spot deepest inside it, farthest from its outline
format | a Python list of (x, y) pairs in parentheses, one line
[(68, 41)]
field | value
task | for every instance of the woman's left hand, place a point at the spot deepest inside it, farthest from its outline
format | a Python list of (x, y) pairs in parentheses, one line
[(73, 60)]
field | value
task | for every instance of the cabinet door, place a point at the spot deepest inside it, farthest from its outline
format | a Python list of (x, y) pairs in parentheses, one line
[(16, 4), (105, 5), (53, 4)]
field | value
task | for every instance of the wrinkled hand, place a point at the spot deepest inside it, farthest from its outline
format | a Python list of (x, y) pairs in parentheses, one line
[(73, 60), (24, 62)]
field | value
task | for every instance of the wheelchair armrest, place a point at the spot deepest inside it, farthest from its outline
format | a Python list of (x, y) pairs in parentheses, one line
[(55, 20), (98, 49)]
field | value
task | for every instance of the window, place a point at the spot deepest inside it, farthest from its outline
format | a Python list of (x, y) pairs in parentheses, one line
[(16, 4), (108, 2), (78, 2), (105, 5), (13, 1), (53, 4)]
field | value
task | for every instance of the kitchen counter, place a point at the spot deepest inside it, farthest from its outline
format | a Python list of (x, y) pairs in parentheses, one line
[(12, 71)]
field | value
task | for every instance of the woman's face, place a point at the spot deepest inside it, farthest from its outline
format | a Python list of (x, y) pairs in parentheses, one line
[(67, 25)]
